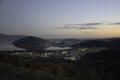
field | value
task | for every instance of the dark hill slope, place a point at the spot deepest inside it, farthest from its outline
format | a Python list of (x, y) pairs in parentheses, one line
[(110, 43), (115, 43), (105, 63), (31, 43), (92, 43)]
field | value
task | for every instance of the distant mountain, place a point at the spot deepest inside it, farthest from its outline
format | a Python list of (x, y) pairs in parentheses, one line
[(32, 43), (9, 38), (71, 41), (55, 40)]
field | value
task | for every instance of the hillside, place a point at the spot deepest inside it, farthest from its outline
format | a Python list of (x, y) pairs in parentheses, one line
[(92, 43), (105, 63), (115, 42), (31, 43), (109, 43)]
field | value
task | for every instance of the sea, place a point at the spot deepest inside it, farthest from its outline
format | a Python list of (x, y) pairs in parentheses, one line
[(8, 46)]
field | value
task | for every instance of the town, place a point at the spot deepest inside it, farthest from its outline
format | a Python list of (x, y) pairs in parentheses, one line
[(58, 52)]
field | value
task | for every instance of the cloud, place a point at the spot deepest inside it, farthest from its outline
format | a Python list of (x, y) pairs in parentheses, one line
[(117, 23), (87, 28), (65, 27), (84, 26), (91, 24)]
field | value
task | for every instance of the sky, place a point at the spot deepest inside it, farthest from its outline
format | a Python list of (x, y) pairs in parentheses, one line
[(61, 18)]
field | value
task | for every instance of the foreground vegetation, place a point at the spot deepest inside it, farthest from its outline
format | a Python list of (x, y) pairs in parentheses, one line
[(104, 65)]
